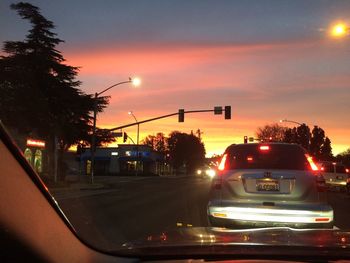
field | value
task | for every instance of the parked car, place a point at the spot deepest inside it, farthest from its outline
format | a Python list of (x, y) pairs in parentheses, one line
[(270, 184), (335, 175)]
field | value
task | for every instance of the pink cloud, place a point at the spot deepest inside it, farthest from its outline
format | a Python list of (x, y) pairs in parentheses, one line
[(263, 83)]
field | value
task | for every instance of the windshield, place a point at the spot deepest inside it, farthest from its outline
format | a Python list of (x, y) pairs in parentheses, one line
[(340, 169), (148, 118), (328, 167)]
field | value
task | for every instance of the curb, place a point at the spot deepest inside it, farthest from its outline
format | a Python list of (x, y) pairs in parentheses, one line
[(80, 186), (91, 187)]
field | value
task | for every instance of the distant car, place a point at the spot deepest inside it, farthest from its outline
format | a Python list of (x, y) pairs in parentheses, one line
[(206, 171), (347, 170), (269, 184), (335, 175)]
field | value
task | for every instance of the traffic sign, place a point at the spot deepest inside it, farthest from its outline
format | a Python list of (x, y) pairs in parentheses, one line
[(117, 134)]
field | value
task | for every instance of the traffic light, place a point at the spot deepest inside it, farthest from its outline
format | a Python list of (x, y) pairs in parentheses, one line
[(181, 115), (217, 110), (245, 139), (227, 112), (125, 137)]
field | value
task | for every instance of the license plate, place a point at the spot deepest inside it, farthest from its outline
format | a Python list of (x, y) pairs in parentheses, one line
[(267, 186), (340, 177)]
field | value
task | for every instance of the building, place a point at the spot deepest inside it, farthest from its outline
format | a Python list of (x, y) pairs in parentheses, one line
[(126, 159)]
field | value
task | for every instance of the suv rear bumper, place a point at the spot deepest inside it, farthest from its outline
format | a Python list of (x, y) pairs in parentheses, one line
[(337, 185), (313, 216)]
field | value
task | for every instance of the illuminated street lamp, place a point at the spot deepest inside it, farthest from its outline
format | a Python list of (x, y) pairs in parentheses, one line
[(340, 30), (137, 140), (295, 122), (134, 81), (138, 125)]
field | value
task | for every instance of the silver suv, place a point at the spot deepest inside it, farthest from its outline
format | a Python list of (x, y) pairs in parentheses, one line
[(269, 184)]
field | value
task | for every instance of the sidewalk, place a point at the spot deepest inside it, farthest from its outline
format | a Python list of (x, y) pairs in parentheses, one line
[(74, 183)]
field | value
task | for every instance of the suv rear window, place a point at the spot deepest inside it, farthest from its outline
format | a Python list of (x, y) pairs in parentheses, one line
[(340, 169), (332, 168), (328, 168), (270, 156)]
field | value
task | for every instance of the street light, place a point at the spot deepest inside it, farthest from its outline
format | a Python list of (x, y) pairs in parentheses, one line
[(136, 82), (340, 30), (138, 125), (137, 140), (285, 120)]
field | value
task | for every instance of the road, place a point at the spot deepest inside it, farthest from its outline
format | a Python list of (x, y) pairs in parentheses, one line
[(137, 207)]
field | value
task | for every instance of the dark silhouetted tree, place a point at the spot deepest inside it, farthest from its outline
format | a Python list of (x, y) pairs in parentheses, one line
[(303, 135), (40, 94), (290, 135), (300, 135), (272, 132), (344, 158), (158, 142), (185, 149), (317, 140), (326, 150), (103, 137)]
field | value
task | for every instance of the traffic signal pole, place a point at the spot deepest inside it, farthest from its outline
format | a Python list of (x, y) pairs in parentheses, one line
[(227, 116), (140, 122), (180, 113)]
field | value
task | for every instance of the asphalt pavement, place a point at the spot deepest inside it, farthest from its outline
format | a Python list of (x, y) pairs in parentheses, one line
[(130, 208), (120, 209)]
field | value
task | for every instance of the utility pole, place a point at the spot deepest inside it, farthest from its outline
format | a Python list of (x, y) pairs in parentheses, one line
[(199, 134)]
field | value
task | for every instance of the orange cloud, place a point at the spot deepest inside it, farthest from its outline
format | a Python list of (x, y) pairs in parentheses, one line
[(262, 83), (161, 59)]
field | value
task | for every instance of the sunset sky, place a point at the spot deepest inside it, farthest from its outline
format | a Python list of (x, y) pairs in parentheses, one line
[(269, 60)]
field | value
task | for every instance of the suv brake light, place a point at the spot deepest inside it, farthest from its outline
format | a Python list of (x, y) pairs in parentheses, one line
[(311, 162), (264, 148), (222, 163)]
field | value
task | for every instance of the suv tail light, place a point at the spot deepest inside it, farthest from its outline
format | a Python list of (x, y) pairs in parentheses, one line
[(217, 183), (311, 162), (264, 148), (222, 163)]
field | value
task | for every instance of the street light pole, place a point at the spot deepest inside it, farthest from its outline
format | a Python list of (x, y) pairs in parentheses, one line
[(93, 139), (137, 145), (285, 120), (135, 82)]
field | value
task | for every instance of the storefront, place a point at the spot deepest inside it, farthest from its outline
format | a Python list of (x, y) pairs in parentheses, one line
[(127, 159), (34, 154)]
